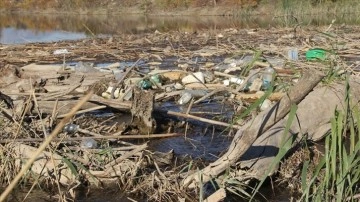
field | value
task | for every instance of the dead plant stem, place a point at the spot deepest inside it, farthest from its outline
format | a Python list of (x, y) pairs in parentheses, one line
[(187, 112), (95, 137), (204, 120), (28, 164), (83, 111)]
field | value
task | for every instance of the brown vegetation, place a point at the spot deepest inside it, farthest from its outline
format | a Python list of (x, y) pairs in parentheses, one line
[(137, 170), (144, 4)]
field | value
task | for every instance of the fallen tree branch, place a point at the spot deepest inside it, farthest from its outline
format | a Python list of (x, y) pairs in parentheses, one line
[(245, 137), (189, 116)]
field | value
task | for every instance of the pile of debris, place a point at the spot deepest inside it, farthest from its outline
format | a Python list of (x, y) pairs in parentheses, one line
[(76, 144)]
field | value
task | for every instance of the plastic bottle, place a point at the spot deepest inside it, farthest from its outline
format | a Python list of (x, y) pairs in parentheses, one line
[(267, 77), (293, 54)]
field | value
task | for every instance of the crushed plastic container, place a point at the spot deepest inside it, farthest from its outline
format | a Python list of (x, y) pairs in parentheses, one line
[(316, 53)]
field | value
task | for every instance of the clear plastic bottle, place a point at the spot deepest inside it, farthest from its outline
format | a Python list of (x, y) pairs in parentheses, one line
[(293, 54), (267, 77)]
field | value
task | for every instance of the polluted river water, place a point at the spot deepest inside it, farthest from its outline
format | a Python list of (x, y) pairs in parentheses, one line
[(16, 28), (20, 29)]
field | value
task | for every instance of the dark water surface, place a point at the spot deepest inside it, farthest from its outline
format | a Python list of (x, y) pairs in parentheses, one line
[(18, 28)]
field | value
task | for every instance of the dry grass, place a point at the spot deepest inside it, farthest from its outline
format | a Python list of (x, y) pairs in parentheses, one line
[(248, 7)]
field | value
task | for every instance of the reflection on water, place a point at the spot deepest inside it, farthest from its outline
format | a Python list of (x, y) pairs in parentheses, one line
[(15, 36), (17, 28)]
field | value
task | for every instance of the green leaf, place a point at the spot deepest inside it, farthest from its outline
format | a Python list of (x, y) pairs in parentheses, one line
[(70, 166)]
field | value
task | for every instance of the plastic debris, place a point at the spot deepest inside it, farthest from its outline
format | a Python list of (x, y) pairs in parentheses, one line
[(61, 51), (85, 67), (157, 79), (187, 95), (265, 105), (233, 80), (70, 128), (316, 53), (197, 77), (88, 144), (293, 54), (185, 98), (107, 93), (145, 84), (267, 77)]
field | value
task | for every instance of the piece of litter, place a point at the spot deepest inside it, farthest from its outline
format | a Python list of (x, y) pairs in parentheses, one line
[(61, 51)]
